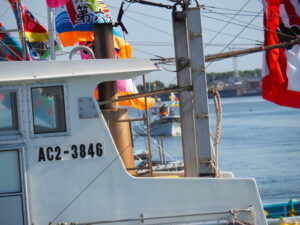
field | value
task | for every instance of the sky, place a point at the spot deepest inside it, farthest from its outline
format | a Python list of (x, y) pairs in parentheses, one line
[(227, 25)]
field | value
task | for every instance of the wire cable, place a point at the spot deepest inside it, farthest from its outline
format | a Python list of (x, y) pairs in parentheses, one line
[(152, 27), (144, 52), (5, 11), (230, 14), (225, 25), (236, 36), (241, 21), (232, 35), (168, 20), (142, 14), (90, 183), (253, 12), (253, 26)]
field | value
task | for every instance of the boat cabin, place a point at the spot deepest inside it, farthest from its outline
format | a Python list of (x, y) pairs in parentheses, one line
[(59, 162)]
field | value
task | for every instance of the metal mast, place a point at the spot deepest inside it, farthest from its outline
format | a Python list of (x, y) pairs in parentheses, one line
[(185, 98), (197, 59), (190, 60)]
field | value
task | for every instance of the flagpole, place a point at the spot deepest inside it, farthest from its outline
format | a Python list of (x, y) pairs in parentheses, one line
[(51, 32), (22, 29)]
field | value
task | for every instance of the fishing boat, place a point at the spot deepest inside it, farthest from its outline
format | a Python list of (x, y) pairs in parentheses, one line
[(61, 163), (161, 125), (163, 120), (166, 126)]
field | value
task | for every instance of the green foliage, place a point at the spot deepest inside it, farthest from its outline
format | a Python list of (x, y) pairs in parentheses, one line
[(151, 86), (224, 76)]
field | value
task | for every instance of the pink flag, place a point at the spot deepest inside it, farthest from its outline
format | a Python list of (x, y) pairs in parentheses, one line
[(56, 3)]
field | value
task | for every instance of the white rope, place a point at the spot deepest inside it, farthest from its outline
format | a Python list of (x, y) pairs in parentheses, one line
[(218, 111)]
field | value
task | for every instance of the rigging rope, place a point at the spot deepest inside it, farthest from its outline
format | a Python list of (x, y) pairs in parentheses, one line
[(218, 111), (214, 37), (168, 20), (253, 27), (236, 37), (119, 153)]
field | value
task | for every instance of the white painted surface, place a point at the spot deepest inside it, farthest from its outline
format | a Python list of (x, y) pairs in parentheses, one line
[(108, 69)]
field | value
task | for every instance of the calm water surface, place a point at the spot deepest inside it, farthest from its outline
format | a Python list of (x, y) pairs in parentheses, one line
[(259, 139)]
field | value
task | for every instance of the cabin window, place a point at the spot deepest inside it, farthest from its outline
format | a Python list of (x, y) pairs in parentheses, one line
[(8, 111), (9, 172), (48, 109), (11, 193)]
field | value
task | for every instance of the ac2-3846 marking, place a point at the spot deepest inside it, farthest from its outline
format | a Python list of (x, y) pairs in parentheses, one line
[(76, 151)]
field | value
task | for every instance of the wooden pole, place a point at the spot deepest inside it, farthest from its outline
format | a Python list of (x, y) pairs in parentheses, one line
[(104, 49), (115, 117), (148, 94), (226, 55)]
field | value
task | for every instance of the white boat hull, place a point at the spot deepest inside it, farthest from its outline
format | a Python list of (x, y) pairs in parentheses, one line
[(164, 126)]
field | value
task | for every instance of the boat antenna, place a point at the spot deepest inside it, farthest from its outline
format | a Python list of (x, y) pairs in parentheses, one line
[(150, 3), (119, 19)]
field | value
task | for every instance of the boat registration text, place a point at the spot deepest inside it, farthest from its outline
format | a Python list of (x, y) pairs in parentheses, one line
[(75, 151)]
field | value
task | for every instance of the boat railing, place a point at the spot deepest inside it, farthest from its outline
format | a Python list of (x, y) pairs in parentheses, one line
[(147, 94), (223, 217), (148, 167)]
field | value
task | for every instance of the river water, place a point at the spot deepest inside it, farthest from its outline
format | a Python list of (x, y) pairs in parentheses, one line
[(259, 139)]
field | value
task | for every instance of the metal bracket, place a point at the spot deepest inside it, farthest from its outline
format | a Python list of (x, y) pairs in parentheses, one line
[(183, 62), (86, 108), (194, 35), (201, 116)]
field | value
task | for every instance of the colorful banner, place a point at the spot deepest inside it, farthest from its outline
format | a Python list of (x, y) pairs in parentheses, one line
[(127, 87), (56, 3), (122, 48), (75, 24), (36, 34), (281, 70), (174, 100), (75, 20), (10, 48), (34, 31)]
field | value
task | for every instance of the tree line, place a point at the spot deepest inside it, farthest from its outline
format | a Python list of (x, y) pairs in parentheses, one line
[(211, 77)]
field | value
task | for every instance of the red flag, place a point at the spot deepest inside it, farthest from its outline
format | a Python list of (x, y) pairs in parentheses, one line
[(34, 31), (56, 3), (281, 70)]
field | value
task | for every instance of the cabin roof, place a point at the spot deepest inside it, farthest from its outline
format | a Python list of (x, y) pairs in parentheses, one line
[(108, 69)]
